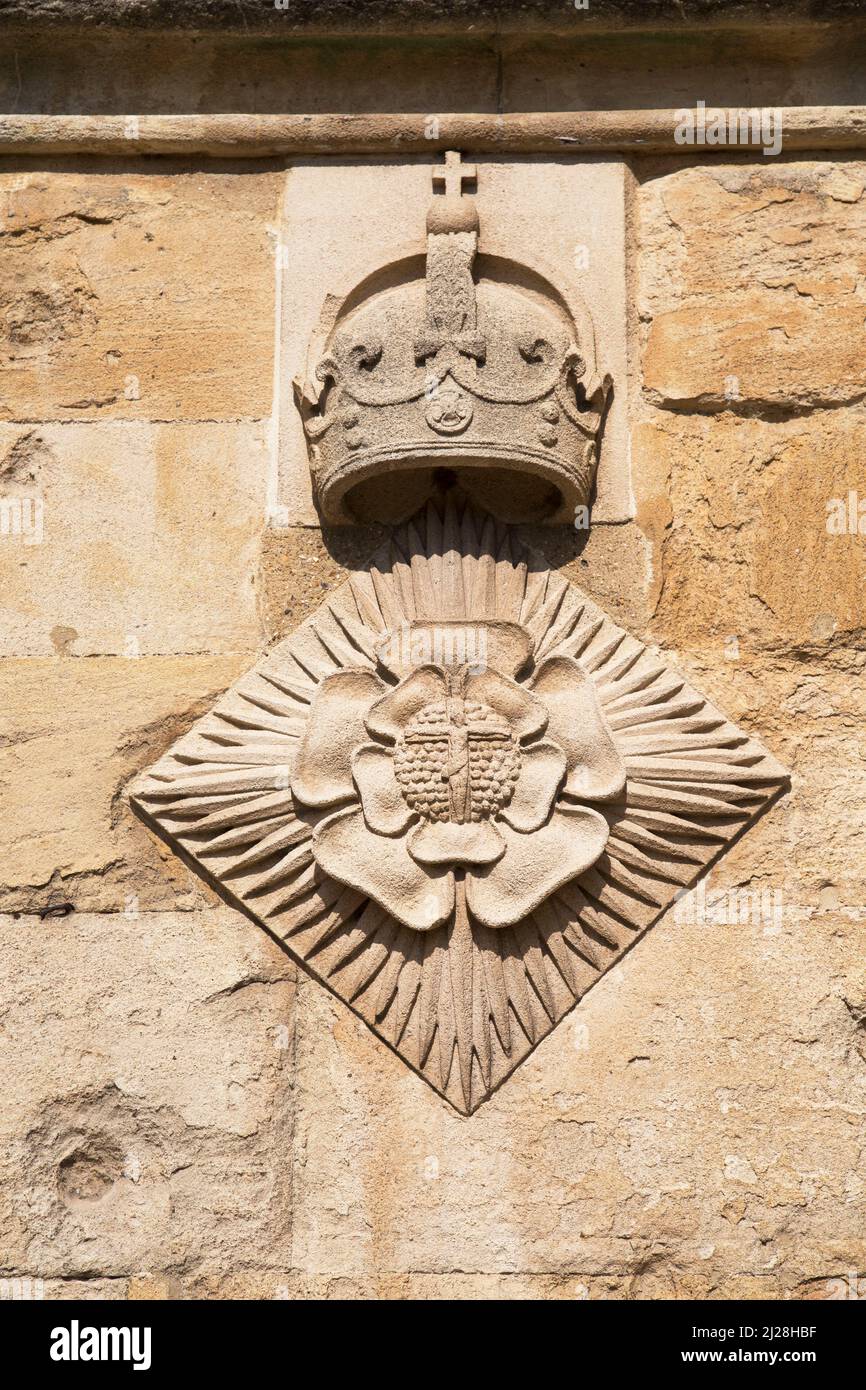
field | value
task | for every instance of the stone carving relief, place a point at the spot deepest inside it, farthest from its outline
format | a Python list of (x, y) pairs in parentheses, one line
[(487, 374), (449, 772), (458, 794)]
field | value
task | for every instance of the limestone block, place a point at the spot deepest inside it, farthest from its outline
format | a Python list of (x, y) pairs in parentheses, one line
[(145, 1099), (752, 284), (148, 538), (72, 734), (136, 296), (738, 512)]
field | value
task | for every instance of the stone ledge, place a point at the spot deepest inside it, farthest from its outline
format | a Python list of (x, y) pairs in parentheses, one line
[(266, 136)]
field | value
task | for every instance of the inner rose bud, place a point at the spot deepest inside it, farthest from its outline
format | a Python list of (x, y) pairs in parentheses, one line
[(457, 761)]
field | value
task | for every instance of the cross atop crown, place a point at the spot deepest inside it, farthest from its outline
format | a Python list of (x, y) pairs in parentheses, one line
[(453, 213), (454, 175)]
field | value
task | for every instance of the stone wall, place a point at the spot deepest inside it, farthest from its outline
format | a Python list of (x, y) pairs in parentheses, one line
[(185, 1113)]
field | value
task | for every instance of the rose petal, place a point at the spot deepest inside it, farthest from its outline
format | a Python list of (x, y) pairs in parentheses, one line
[(335, 727), (542, 768), (534, 866), (525, 713), (384, 806), (446, 842), (382, 868), (595, 769), (390, 715)]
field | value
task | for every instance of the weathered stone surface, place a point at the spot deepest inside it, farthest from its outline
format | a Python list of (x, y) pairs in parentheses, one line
[(752, 587), (695, 1127), (150, 538), (120, 295), (664, 1142), (146, 1101), (72, 734), (753, 285), (738, 511)]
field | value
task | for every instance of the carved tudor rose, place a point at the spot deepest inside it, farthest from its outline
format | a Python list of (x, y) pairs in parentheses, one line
[(458, 793), (464, 783)]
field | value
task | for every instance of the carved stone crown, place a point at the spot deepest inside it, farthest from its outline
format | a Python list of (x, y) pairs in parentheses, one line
[(485, 374)]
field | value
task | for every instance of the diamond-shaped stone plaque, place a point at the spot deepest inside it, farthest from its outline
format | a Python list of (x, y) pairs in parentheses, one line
[(458, 793)]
